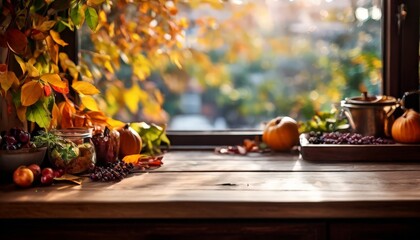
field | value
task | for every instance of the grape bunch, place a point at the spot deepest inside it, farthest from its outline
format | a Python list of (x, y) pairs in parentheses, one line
[(111, 172), (14, 139), (346, 138)]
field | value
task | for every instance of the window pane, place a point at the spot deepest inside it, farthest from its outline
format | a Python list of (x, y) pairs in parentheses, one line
[(251, 60)]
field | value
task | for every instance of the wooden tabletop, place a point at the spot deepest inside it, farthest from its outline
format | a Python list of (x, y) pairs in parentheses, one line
[(203, 184)]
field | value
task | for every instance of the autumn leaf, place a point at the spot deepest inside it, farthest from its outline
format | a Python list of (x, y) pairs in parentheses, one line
[(66, 110), (64, 90), (32, 71), (21, 113), (134, 158), (10, 79), (22, 64), (54, 79), (89, 102), (39, 114), (91, 18), (7, 78), (95, 2), (132, 97), (115, 123), (77, 15), (141, 67), (52, 49), (3, 74), (16, 40), (85, 88), (31, 93), (56, 37), (46, 25), (55, 116), (97, 116)]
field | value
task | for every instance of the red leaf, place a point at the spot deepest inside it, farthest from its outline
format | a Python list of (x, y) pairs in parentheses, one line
[(47, 90), (16, 40)]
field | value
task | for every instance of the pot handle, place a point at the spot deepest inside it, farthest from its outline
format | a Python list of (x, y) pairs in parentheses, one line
[(345, 113)]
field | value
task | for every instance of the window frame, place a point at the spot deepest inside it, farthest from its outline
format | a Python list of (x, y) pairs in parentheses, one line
[(400, 51)]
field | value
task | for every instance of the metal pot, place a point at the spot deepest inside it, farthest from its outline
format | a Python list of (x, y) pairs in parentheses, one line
[(370, 115)]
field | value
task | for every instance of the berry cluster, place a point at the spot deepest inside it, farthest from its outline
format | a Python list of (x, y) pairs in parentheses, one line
[(111, 172), (15, 138), (346, 138)]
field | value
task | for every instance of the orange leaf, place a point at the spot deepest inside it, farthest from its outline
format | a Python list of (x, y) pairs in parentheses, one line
[(55, 116), (66, 110), (85, 88), (79, 120), (63, 90), (21, 113), (134, 158), (97, 116), (56, 37), (52, 49), (31, 93), (53, 79)]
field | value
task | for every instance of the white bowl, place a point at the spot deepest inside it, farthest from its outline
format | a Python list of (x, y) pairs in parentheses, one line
[(12, 159)]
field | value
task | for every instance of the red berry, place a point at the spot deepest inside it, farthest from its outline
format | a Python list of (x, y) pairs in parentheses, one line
[(47, 179), (58, 172), (47, 171), (24, 137)]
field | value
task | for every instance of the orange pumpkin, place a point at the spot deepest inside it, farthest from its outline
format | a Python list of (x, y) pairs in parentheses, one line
[(406, 128), (281, 134), (130, 142)]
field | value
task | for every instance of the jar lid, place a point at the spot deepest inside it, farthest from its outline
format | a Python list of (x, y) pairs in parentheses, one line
[(371, 100), (73, 132)]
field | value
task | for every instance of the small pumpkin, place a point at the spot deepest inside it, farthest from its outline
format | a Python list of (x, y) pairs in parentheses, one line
[(281, 134), (130, 142), (406, 128)]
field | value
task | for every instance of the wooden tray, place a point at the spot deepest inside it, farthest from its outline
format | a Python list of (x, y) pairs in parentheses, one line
[(366, 153)]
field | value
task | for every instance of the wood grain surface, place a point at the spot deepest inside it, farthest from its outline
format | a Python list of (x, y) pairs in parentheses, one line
[(208, 185)]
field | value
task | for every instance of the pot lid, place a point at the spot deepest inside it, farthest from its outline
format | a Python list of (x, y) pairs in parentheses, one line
[(364, 99)]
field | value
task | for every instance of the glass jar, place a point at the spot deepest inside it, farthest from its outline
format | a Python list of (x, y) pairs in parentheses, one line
[(72, 150)]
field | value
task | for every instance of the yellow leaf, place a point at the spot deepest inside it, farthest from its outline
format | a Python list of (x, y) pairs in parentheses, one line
[(21, 113), (115, 123), (31, 93), (134, 158), (132, 97), (108, 66), (53, 79), (141, 67), (11, 78), (85, 88), (89, 102), (102, 16), (32, 71), (47, 25), (22, 64), (56, 37)]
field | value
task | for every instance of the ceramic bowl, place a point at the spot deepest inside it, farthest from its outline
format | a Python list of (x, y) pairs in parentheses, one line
[(12, 159)]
